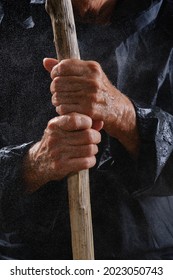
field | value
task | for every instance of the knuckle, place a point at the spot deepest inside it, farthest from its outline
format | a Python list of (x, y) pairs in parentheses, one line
[(53, 73), (89, 162), (94, 84), (53, 85), (95, 67), (93, 137), (62, 66), (60, 110), (55, 100), (51, 125), (78, 121), (90, 136)]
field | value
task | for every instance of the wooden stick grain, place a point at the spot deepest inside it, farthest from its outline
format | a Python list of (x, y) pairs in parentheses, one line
[(65, 39)]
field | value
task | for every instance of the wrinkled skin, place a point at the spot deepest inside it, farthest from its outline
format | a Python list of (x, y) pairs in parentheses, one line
[(87, 102), (82, 87), (69, 144)]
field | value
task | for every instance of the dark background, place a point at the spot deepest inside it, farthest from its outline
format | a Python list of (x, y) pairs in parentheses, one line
[(25, 102)]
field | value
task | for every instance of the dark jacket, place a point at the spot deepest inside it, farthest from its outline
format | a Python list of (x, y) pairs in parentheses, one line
[(132, 201)]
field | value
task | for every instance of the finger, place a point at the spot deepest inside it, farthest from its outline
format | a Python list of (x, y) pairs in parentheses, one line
[(95, 111), (83, 137), (67, 99), (67, 108), (97, 125), (69, 139), (64, 109), (49, 63), (73, 84), (78, 164), (84, 98), (73, 138), (80, 151), (81, 98), (70, 122), (65, 167), (75, 67)]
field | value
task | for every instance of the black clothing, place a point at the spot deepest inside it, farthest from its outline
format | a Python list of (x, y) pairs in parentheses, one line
[(132, 201)]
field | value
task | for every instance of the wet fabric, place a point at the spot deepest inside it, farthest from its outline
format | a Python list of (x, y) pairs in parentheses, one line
[(131, 200)]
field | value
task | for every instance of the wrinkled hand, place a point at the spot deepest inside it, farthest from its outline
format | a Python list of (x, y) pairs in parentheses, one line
[(82, 87), (69, 144)]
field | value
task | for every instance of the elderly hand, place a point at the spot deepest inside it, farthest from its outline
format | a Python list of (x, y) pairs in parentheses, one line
[(69, 144), (82, 87)]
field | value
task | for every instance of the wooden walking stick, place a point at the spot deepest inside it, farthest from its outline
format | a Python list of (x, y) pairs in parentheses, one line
[(61, 14)]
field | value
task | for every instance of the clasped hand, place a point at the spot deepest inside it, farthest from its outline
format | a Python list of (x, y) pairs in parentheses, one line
[(86, 102)]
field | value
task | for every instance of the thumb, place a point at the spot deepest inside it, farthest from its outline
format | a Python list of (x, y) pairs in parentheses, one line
[(49, 63)]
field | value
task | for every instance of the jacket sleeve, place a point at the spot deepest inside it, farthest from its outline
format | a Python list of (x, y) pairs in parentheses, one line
[(152, 173), (11, 184), (155, 163)]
